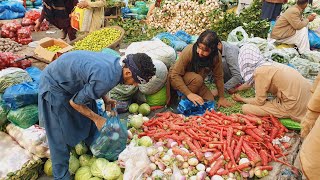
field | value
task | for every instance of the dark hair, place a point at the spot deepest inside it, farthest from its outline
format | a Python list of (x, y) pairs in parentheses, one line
[(210, 39), (145, 64), (302, 2)]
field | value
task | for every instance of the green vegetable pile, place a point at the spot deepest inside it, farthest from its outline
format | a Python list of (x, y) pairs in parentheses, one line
[(30, 170), (136, 30), (278, 58), (97, 40), (84, 166), (223, 23), (54, 48)]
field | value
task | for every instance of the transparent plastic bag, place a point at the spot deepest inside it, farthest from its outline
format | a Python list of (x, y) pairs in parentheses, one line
[(135, 160), (111, 140), (24, 117), (278, 55), (238, 36)]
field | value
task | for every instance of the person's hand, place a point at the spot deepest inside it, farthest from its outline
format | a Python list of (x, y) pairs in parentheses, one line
[(37, 26), (237, 97), (100, 122), (110, 104), (82, 4), (311, 17), (196, 99), (224, 103), (232, 90), (214, 92)]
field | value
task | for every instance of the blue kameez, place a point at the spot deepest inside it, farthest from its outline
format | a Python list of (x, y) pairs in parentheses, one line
[(84, 77)]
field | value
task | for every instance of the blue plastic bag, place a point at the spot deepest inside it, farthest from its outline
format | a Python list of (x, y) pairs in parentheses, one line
[(184, 36), (34, 73), (187, 108), (314, 39), (21, 95), (111, 140), (11, 10), (172, 41)]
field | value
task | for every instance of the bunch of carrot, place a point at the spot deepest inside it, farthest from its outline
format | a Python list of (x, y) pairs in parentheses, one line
[(227, 137)]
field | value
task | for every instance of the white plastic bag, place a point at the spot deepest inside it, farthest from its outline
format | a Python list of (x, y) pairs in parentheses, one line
[(278, 53), (263, 44), (313, 56), (13, 157), (156, 49), (32, 139), (235, 34), (156, 82), (136, 161)]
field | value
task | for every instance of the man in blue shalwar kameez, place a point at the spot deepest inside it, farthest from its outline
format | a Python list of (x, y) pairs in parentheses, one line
[(68, 89)]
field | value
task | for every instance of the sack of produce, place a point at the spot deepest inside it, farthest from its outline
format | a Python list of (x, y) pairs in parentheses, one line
[(7, 59), (24, 32), (291, 52), (155, 49), (238, 36), (27, 22), (278, 55), (172, 41), (187, 108), (157, 81), (4, 109), (184, 36), (111, 140), (34, 73), (313, 56), (122, 92), (314, 39), (12, 76), (21, 95), (24, 117), (32, 139), (32, 15), (305, 67), (263, 44), (159, 98), (18, 165)]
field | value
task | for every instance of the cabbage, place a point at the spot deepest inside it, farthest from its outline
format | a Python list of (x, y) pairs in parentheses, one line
[(83, 173), (158, 99), (74, 164), (81, 148), (112, 171), (133, 108), (92, 160), (95, 178), (120, 177), (84, 160), (136, 121), (145, 141), (144, 109), (99, 166), (48, 167)]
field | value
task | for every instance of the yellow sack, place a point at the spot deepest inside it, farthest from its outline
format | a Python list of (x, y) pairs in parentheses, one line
[(81, 19), (281, 46)]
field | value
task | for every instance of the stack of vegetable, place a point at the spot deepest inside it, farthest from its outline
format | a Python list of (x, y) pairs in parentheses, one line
[(84, 166), (223, 23), (54, 48), (188, 15), (7, 45), (97, 40), (219, 142)]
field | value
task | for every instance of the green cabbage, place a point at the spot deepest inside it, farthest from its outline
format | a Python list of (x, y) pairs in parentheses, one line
[(144, 109), (95, 178), (133, 108), (84, 160), (48, 167), (136, 121), (83, 173), (98, 167), (112, 171), (91, 161), (145, 141), (81, 148), (74, 164)]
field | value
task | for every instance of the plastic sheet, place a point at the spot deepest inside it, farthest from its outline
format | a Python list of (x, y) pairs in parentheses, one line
[(187, 108), (24, 117), (34, 73), (172, 41)]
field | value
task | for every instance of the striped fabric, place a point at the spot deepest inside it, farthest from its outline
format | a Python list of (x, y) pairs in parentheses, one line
[(249, 59)]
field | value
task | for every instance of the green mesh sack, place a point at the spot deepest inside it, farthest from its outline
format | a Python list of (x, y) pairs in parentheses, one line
[(159, 98), (4, 109), (12, 76), (24, 117)]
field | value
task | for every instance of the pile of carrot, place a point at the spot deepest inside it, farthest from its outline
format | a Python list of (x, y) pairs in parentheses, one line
[(225, 136)]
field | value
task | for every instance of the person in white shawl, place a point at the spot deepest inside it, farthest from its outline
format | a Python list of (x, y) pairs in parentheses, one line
[(290, 90)]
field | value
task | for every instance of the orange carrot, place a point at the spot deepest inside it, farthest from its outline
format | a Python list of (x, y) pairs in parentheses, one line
[(264, 157), (237, 150), (216, 167), (253, 156)]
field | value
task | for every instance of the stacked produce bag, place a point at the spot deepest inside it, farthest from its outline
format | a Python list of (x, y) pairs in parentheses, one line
[(11, 10), (16, 32), (33, 4), (30, 18)]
